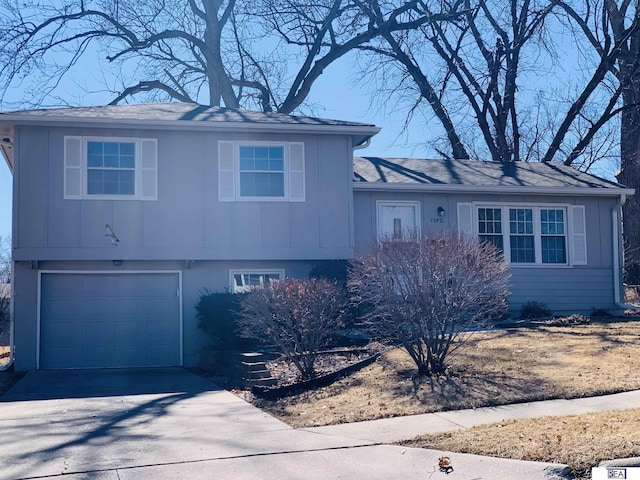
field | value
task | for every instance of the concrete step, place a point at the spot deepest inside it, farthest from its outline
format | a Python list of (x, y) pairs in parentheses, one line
[(256, 374), (262, 382), (251, 357)]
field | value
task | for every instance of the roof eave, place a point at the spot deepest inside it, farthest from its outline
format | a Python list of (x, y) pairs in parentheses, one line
[(360, 131), (442, 188)]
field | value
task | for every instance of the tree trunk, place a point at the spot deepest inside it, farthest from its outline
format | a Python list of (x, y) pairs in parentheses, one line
[(630, 170)]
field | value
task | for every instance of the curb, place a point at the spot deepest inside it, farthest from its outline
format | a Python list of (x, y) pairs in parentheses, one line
[(621, 462)]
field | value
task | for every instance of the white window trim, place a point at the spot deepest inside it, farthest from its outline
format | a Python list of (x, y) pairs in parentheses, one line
[(537, 234), (294, 175), (139, 168), (253, 271), (380, 204)]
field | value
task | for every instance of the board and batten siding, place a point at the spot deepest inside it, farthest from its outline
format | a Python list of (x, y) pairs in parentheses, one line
[(187, 220), (566, 289)]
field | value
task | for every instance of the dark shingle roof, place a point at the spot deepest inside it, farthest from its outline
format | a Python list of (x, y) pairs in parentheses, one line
[(175, 112), (417, 172)]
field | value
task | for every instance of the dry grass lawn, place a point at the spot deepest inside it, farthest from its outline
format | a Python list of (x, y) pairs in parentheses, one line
[(580, 441), (493, 368)]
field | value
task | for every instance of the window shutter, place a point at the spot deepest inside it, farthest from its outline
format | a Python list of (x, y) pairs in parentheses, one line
[(149, 169), (226, 171), (465, 218), (73, 167), (578, 235), (296, 172)]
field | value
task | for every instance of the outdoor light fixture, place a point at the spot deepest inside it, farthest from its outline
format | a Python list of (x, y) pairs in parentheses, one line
[(188, 264), (117, 263), (441, 212)]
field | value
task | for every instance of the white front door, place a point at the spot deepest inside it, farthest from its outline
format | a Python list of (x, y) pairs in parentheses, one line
[(398, 219)]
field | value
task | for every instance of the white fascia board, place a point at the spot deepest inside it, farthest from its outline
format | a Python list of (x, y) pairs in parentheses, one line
[(363, 130), (572, 191)]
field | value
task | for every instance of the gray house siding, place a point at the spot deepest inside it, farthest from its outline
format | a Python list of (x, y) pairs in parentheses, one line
[(187, 221), (212, 275), (565, 289)]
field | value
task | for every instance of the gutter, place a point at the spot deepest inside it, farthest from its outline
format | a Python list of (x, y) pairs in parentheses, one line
[(618, 258), (515, 189), (364, 130)]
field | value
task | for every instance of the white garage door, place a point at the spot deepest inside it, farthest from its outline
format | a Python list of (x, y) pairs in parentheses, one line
[(109, 320)]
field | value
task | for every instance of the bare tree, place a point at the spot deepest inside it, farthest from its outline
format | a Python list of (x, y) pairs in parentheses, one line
[(621, 16), (5, 280), (612, 29), (476, 74), (299, 317), (423, 293), (5, 260), (218, 52)]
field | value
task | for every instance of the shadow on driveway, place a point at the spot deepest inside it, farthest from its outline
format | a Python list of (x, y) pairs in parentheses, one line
[(60, 384)]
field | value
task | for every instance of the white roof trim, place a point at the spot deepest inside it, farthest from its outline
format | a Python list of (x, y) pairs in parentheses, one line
[(422, 187), (189, 124)]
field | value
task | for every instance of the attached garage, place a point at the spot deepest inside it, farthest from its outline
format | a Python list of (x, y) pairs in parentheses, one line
[(109, 320)]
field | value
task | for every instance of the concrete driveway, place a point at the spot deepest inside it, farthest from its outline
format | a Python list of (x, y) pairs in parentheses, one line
[(169, 423)]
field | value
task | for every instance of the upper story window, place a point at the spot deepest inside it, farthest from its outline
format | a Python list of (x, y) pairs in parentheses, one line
[(106, 168), (111, 168), (261, 171), (532, 235)]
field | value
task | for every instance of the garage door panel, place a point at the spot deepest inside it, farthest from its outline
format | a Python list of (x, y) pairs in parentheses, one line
[(97, 308), (63, 335), (109, 320), (127, 355), (64, 356), (159, 355), (62, 287), (158, 332), (98, 333), (127, 332), (65, 308)]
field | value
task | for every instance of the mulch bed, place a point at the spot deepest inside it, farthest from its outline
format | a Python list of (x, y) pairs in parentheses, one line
[(330, 366)]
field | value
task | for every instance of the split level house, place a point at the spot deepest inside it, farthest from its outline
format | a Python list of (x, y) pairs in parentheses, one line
[(122, 215)]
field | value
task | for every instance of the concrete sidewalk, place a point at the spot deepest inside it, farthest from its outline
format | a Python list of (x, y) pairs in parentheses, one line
[(170, 424), (390, 430)]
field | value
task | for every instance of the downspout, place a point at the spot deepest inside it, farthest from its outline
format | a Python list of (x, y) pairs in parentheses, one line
[(362, 145), (618, 259)]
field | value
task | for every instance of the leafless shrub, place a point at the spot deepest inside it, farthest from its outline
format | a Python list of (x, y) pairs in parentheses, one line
[(5, 280), (425, 291), (298, 317)]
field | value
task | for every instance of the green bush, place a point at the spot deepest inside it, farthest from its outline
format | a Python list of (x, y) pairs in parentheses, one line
[(331, 270), (218, 314), (336, 272), (533, 309)]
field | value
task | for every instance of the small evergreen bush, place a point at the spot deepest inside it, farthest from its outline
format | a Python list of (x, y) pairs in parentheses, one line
[(533, 309), (218, 316)]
